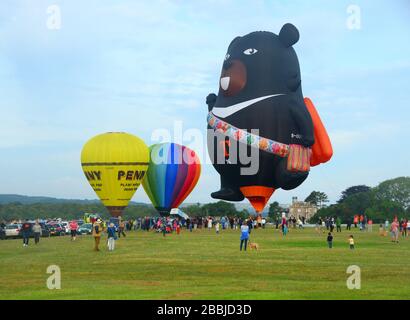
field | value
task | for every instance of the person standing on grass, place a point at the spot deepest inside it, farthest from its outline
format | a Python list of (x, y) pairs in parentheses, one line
[(330, 240), (277, 223), (284, 222), (121, 229), (178, 228), (25, 229), (349, 224), (338, 224), (319, 226), (37, 232), (97, 231), (73, 229), (285, 229), (351, 242), (404, 228), (209, 223), (244, 235), (370, 225), (250, 225), (332, 224), (112, 236), (355, 220), (217, 227), (394, 229)]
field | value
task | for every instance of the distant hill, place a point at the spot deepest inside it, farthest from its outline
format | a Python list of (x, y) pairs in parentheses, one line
[(30, 200), (16, 198)]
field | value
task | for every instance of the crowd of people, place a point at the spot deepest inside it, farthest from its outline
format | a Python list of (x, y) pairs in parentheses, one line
[(168, 225)]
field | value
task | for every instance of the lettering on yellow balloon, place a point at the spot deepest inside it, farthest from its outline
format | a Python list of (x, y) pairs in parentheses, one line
[(92, 175), (130, 175)]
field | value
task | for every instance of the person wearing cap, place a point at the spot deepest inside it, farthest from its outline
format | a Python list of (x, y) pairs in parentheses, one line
[(97, 231), (112, 236)]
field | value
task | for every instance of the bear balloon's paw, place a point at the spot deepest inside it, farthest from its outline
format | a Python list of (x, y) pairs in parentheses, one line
[(228, 195), (210, 100)]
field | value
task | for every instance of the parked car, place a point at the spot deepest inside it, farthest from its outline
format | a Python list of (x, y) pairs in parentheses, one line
[(13, 230), (2, 233), (56, 229), (86, 228), (45, 232), (66, 226)]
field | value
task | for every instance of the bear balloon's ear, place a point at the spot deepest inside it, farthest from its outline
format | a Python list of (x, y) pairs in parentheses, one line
[(233, 41), (289, 35)]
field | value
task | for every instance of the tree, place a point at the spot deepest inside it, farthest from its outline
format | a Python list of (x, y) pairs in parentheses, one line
[(317, 198), (396, 190), (353, 190), (383, 209), (275, 210), (244, 214), (355, 204), (194, 210), (220, 208)]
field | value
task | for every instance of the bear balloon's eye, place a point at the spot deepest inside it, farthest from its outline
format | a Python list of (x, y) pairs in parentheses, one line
[(227, 56), (250, 51)]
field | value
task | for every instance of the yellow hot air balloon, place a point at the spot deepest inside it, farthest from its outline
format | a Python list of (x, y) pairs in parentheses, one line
[(114, 164)]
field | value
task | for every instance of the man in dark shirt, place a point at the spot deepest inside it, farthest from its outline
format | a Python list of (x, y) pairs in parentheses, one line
[(25, 229)]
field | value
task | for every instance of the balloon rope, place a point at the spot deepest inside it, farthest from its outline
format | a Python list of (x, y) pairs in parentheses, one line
[(253, 140)]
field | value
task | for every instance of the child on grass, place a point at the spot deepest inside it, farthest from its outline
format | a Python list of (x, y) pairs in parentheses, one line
[(351, 242), (330, 240)]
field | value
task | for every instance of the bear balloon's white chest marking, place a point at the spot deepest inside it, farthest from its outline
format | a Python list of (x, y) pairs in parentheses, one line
[(230, 110)]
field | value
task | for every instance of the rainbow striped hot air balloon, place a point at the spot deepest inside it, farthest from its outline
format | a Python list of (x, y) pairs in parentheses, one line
[(172, 174)]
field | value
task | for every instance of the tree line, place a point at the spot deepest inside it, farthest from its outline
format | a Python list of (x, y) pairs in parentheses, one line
[(72, 210), (389, 199), (16, 210)]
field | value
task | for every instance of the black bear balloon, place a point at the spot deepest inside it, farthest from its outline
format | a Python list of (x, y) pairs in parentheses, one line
[(260, 88)]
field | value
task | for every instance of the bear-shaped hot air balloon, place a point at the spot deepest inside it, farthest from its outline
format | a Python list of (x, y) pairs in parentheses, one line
[(115, 164), (260, 88)]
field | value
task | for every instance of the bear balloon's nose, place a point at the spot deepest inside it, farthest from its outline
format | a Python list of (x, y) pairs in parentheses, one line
[(233, 77)]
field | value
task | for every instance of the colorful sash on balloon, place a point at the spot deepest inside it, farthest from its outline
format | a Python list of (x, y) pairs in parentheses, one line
[(298, 156)]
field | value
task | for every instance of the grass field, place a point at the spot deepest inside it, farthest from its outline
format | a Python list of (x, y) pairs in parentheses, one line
[(204, 265)]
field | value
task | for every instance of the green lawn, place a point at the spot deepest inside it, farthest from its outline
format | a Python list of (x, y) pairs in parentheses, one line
[(204, 265)]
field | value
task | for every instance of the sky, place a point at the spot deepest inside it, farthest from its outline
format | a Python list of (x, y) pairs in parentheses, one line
[(72, 69)]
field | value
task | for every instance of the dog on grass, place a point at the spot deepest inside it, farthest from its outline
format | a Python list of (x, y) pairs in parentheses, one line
[(253, 245)]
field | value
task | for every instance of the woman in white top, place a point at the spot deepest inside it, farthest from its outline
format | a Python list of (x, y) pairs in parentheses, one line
[(209, 224)]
